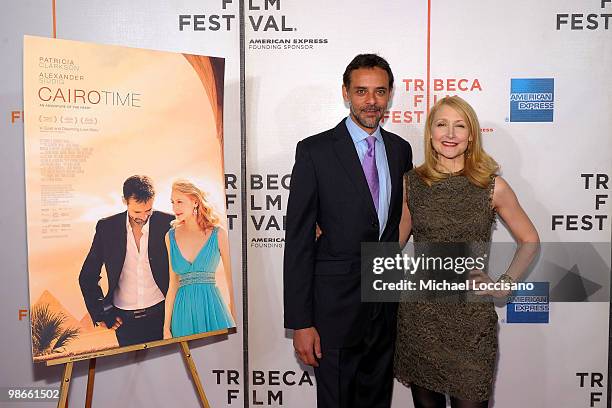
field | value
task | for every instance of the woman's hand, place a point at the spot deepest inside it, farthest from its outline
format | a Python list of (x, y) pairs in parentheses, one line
[(479, 277)]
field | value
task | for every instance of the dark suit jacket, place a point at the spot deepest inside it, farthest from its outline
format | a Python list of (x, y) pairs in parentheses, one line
[(109, 248), (322, 278)]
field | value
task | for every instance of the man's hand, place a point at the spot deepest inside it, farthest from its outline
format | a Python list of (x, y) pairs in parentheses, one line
[(118, 322), (307, 345), (167, 333)]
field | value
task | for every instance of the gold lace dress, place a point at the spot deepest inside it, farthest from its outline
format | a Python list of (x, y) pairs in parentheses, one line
[(448, 347)]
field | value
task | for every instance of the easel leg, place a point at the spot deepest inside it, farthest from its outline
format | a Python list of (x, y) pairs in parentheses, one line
[(63, 397), (194, 373), (91, 374)]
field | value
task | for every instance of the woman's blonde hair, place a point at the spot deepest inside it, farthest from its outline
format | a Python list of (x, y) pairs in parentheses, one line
[(479, 166), (206, 216)]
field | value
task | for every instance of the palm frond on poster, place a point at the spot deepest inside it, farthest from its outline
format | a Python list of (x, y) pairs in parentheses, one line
[(48, 332)]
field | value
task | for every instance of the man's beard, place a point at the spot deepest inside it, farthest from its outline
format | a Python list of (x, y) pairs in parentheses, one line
[(367, 123), (139, 221)]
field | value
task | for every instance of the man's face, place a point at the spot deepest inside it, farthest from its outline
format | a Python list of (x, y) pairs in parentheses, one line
[(368, 96), (139, 212)]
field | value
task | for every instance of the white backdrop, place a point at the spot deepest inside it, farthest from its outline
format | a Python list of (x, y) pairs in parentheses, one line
[(475, 48)]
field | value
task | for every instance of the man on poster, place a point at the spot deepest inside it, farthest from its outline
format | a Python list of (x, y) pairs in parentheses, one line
[(131, 246), (347, 181)]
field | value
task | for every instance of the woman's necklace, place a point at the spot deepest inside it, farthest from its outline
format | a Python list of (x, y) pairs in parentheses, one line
[(445, 170)]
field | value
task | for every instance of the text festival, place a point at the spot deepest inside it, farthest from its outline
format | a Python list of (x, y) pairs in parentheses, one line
[(262, 379), (258, 202), (224, 21), (587, 222), (588, 21), (415, 89)]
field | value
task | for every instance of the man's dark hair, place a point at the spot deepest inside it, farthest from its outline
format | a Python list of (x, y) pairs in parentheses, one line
[(366, 61), (140, 188)]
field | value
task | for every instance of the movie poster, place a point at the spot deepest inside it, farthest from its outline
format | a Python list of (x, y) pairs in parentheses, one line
[(100, 266)]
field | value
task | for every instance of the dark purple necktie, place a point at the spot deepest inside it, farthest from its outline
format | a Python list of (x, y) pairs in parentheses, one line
[(370, 170)]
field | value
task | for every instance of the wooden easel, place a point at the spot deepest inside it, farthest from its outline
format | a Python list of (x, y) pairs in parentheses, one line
[(183, 345)]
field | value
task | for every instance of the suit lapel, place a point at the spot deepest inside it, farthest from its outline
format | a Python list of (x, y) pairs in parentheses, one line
[(349, 159), (122, 238), (152, 233), (154, 256), (393, 161)]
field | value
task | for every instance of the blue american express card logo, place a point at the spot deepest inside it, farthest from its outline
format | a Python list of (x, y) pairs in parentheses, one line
[(532, 100), (529, 306)]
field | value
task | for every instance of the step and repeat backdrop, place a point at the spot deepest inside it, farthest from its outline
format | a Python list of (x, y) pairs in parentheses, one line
[(537, 74)]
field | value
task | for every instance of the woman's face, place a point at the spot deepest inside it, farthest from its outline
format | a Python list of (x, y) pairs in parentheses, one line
[(449, 133), (182, 205)]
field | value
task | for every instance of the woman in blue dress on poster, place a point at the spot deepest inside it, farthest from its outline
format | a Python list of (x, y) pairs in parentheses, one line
[(196, 243)]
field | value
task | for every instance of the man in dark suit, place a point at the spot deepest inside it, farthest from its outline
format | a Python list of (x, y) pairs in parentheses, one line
[(347, 181), (131, 246)]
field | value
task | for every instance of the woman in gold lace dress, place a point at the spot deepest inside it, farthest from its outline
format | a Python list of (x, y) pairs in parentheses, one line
[(450, 348)]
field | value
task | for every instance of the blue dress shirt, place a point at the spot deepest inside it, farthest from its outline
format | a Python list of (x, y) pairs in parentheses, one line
[(384, 178)]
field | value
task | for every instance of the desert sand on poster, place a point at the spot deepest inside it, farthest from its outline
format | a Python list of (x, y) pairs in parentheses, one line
[(94, 116)]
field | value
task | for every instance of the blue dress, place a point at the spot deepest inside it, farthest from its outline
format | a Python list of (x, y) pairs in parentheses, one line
[(198, 306)]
